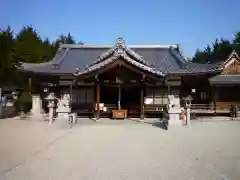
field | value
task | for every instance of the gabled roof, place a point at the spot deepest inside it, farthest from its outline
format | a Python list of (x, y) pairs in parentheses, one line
[(229, 60), (158, 59), (120, 51)]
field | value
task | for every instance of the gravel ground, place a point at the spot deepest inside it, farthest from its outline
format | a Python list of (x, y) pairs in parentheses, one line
[(122, 151)]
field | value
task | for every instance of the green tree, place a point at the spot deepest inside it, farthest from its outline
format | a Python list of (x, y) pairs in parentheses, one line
[(202, 56), (63, 40), (236, 42), (29, 46), (7, 61), (47, 50), (219, 52), (70, 39)]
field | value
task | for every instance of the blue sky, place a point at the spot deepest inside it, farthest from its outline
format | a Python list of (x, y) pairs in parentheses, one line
[(191, 23)]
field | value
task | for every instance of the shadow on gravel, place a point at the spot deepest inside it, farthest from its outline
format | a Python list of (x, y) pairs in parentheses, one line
[(8, 112), (161, 124)]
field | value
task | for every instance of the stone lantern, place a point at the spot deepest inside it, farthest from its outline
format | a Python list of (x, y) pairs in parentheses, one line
[(188, 103), (51, 105)]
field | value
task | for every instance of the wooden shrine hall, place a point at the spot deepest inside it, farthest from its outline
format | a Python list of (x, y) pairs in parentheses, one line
[(122, 81)]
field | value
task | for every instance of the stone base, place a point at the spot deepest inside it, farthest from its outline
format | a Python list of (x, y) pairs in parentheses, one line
[(37, 116), (62, 120), (141, 117), (62, 115), (174, 119), (96, 120), (63, 110), (141, 120)]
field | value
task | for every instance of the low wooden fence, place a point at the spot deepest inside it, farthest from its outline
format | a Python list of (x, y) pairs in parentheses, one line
[(202, 109), (218, 108)]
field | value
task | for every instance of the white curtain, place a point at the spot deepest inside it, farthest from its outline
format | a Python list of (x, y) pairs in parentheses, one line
[(157, 96)]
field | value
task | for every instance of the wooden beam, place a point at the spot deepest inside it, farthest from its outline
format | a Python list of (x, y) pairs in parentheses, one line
[(30, 84), (169, 89), (70, 91), (119, 97), (214, 100), (116, 85), (97, 100), (142, 103), (0, 94)]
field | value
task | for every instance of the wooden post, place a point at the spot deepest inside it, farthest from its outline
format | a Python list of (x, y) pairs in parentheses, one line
[(142, 97), (30, 84), (214, 101), (1, 111), (98, 101), (142, 104), (0, 94), (119, 97), (70, 91), (169, 90)]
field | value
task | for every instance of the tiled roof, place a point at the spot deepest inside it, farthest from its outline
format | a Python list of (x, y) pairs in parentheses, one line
[(120, 51), (129, 60), (160, 59), (225, 79), (190, 67)]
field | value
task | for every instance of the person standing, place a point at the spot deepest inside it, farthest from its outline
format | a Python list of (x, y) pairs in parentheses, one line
[(4, 101)]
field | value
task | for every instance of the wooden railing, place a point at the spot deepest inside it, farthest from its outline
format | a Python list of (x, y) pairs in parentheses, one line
[(218, 108), (223, 107), (203, 108), (154, 107)]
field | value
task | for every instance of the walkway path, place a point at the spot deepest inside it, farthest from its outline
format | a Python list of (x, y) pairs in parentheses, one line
[(35, 150)]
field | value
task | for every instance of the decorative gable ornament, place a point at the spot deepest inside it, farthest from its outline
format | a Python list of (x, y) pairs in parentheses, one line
[(120, 48), (120, 43)]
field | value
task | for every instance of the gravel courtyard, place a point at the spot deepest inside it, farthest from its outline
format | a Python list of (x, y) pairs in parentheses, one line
[(119, 151)]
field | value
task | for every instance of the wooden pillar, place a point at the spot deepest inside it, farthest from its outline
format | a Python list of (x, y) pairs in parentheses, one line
[(214, 100), (70, 91), (142, 103), (119, 97), (30, 84), (169, 90), (97, 100), (0, 94), (142, 96)]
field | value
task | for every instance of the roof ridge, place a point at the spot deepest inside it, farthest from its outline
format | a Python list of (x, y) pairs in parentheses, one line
[(128, 59), (180, 59), (61, 59), (118, 49), (110, 46)]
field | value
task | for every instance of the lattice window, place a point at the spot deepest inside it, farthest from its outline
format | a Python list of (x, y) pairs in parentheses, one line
[(82, 96), (157, 96), (204, 95)]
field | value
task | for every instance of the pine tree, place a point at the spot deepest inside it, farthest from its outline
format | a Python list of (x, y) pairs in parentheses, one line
[(29, 46), (7, 62)]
